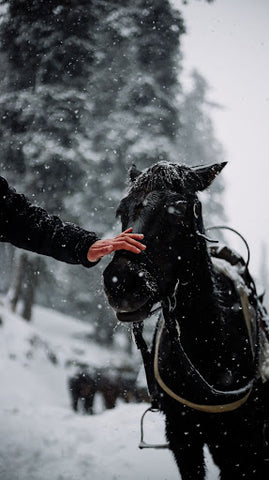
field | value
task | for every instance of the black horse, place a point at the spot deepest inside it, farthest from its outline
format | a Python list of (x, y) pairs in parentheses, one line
[(204, 366)]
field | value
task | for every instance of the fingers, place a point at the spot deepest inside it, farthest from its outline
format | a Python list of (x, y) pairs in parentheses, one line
[(129, 241), (123, 245), (124, 241), (128, 234)]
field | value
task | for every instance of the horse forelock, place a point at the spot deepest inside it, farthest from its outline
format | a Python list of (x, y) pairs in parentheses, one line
[(161, 176)]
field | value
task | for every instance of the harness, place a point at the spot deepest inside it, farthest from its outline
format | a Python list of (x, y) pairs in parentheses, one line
[(254, 316)]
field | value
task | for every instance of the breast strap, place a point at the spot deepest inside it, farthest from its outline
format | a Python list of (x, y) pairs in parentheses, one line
[(204, 408)]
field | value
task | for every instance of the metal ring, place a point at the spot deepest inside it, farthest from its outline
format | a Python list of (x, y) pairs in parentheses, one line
[(223, 227)]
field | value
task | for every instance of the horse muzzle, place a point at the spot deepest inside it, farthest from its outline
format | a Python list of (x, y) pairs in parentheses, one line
[(130, 289)]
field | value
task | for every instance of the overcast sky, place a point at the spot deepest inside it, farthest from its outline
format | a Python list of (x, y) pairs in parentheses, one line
[(228, 42)]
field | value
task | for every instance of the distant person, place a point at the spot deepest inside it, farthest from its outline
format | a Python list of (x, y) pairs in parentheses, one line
[(32, 228)]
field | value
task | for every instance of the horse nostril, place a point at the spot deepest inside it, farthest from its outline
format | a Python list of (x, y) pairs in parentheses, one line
[(111, 282), (124, 279)]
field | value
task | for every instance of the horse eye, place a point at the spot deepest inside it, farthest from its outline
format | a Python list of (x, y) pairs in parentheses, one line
[(177, 208)]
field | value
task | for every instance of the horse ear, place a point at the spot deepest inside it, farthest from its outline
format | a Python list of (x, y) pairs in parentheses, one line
[(202, 177), (133, 172)]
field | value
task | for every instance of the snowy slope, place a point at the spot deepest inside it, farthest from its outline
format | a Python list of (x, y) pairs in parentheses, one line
[(41, 437)]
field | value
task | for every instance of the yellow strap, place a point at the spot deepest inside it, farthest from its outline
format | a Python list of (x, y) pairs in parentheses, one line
[(204, 408)]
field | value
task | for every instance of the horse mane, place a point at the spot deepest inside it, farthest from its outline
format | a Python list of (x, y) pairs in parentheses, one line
[(161, 176)]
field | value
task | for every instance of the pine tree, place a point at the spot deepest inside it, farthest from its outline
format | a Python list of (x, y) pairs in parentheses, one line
[(133, 87), (49, 51), (197, 142)]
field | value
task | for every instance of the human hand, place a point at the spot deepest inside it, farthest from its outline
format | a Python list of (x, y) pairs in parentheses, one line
[(124, 241)]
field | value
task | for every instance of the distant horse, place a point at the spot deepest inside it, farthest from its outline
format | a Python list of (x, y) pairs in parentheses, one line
[(204, 367), (111, 383), (82, 389)]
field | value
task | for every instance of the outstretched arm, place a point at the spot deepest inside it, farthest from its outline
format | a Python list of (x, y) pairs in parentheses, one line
[(27, 226), (30, 227)]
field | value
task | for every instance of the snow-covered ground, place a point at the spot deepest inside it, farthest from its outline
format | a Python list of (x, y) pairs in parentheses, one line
[(41, 437)]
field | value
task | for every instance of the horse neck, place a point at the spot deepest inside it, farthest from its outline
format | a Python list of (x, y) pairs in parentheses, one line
[(196, 296)]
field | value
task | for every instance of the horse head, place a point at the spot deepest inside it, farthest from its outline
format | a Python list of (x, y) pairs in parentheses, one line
[(162, 203)]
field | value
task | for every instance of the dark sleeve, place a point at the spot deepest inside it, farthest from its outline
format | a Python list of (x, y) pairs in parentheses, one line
[(32, 228)]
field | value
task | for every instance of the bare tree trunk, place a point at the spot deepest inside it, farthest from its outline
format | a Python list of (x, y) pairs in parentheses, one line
[(105, 329), (30, 280), (24, 278), (15, 287), (129, 346)]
